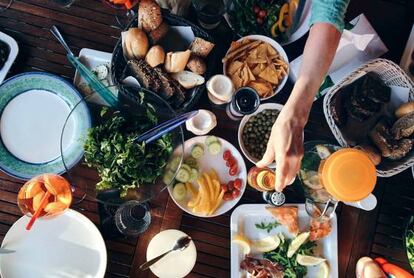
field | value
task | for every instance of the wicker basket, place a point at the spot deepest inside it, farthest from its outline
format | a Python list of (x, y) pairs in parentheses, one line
[(391, 74), (119, 62)]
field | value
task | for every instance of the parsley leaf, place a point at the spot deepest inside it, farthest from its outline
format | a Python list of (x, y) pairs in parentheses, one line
[(267, 226)]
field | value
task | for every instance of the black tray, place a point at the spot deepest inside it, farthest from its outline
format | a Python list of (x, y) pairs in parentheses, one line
[(119, 62)]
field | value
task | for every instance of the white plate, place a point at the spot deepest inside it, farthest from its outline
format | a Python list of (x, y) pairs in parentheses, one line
[(270, 106), (278, 48), (303, 26), (67, 246), (166, 267), (14, 49), (216, 162), (91, 58), (244, 218)]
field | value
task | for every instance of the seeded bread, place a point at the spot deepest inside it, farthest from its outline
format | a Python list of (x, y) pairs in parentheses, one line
[(403, 127), (149, 15), (201, 47), (196, 65)]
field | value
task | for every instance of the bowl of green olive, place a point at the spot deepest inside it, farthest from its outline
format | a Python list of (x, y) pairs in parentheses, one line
[(254, 131)]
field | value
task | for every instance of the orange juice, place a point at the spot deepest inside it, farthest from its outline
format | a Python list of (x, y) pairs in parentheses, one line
[(48, 192), (348, 175)]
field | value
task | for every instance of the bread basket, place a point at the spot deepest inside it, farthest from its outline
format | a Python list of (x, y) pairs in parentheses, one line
[(118, 62), (392, 75)]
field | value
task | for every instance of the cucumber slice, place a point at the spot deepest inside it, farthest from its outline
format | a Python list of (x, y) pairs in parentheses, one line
[(179, 191), (186, 167), (173, 164), (191, 161), (183, 175), (194, 175), (211, 139), (197, 151), (214, 148), (168, 177)]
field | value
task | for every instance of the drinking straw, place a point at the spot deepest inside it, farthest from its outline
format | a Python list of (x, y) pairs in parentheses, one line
[(43, 203)]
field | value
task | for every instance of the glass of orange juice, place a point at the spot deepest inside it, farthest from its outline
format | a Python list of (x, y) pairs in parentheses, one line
[(46, 195)]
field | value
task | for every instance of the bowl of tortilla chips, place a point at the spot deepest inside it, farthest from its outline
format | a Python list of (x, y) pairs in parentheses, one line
[(258, 62)]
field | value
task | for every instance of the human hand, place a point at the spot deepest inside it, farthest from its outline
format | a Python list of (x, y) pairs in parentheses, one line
[(285, 146)]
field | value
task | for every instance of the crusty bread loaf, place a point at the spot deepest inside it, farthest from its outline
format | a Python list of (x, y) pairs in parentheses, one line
[(135, 44), (149, 15), (156, 35), (188, 79), (196, 65), (155, 56), (201, 47), (404, 109), (176, 61)]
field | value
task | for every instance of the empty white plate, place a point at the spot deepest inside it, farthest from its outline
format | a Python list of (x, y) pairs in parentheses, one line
[(68, 246)]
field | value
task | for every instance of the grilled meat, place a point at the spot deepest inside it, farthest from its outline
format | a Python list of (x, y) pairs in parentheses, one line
[(261, 268), (144, 74)]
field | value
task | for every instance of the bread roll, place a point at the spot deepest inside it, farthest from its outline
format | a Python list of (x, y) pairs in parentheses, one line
[(201, 47), (149, 15), (157, 34), (188, 79), (196, 65), (155, 56), (404, 109), (176, 61), (135, 43)]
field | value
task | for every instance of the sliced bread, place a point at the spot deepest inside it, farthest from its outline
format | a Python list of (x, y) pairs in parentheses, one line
[(188, 79)]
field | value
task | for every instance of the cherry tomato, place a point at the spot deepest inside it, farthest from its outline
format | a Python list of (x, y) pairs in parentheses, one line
[(231, 162), (262, 14), (256, 9), (259, 20), (235, 193), (233, 170), (238, 184), (230, 185), (226, 155), (228, 196), (224, 187)]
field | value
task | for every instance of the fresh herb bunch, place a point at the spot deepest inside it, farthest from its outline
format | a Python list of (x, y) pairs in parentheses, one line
[(291, 268), (410, 243), (121, 162), (245, 20), (267, 226)]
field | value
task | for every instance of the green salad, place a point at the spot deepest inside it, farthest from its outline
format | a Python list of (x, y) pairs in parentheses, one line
[(409, 242), (292, 269), (121, 162), (266, 17)]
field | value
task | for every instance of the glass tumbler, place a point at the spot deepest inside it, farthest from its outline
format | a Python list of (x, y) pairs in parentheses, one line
[(209, 12), (132, 218)]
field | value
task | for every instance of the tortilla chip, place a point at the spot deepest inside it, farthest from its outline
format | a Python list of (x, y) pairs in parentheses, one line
[(239, 50), (270, 50), (262, 88), (270, 75), (233, 67)]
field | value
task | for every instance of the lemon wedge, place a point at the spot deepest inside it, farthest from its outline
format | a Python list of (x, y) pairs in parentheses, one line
[(324, 270), (266, 244), (309, 260), (296, 243), (243, 242)]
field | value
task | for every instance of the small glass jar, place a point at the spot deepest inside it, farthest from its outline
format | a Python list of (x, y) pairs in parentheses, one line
[(263, 180)]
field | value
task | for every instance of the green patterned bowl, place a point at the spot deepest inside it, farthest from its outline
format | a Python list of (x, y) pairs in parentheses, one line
[(33, 109)]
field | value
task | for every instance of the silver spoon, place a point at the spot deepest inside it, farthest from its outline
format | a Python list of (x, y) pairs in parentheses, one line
[(181, 244)]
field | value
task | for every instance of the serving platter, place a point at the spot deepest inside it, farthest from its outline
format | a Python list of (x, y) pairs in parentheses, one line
[(14, 50), (33, 108), (216, 162), (244, 218), (66, 246)]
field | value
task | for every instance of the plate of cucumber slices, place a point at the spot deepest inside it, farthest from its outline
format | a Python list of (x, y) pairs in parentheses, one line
[(211, 179)]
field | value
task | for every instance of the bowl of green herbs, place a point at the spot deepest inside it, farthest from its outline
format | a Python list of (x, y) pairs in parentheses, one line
[(115, 167)]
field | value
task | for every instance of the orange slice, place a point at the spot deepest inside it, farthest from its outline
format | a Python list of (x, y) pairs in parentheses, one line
[(32, 188), (37, 200), (55, 208), (55, 184)]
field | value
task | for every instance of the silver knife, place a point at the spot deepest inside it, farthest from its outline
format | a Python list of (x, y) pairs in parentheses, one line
[(6, 251)]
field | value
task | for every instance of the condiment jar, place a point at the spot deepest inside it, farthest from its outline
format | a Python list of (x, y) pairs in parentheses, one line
[(263, 180), (330, 174)]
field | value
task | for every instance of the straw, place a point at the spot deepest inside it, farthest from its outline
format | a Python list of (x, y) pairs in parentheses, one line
[(43, 203)]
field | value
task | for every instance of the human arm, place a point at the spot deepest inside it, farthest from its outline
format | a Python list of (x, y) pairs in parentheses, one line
[(285, 144)]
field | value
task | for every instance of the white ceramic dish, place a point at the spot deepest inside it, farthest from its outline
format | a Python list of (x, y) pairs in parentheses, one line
[(67, 246), (202, 123), (216, 162), (278, 48), (270, 106), (91, 58), (166, 267), (303, 25), (14, 49), (244, 218)]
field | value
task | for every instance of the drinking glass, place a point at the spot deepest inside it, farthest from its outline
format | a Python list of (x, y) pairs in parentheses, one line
[(209, 12), (45, 195), (132, 218)]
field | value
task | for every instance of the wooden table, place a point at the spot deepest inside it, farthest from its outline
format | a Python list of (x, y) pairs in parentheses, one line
[(90, 24)]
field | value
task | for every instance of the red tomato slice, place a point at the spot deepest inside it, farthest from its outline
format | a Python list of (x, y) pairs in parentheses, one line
[(235, 193), (231, 162), (224, 187), (230, 185), (233, 170), (226, 155), (228, 196), (238, 184)]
